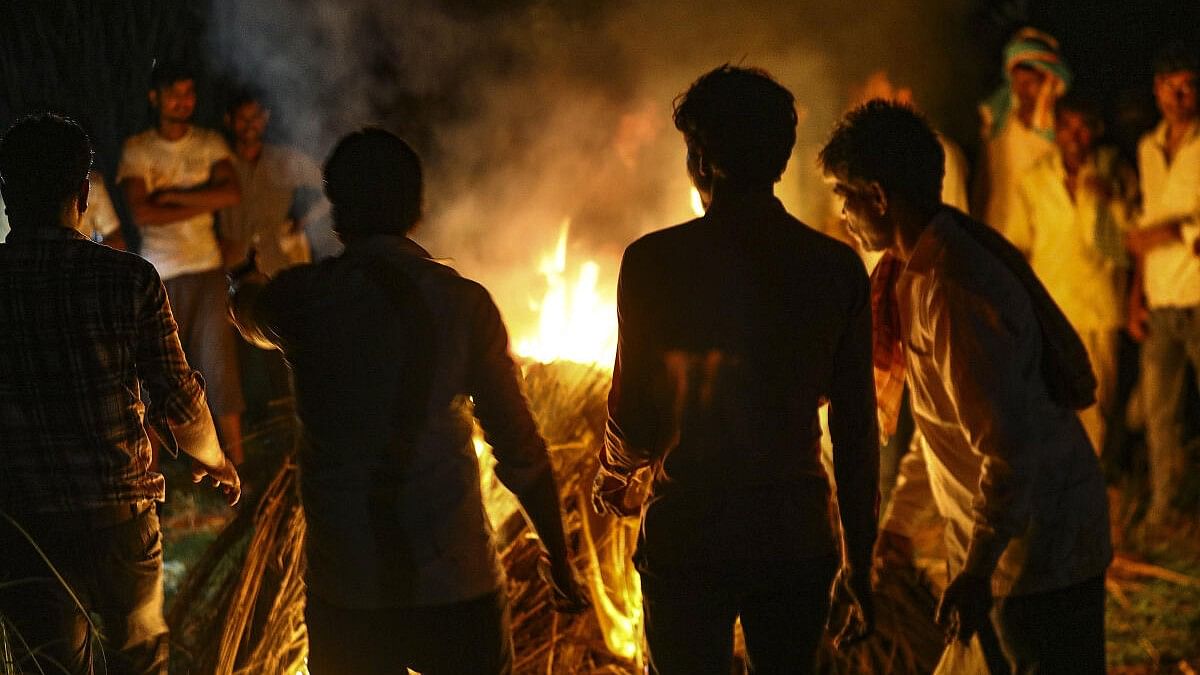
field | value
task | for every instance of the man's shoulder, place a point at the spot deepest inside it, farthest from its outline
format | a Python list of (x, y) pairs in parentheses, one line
[(135, 264), (1151, 139), (292, 163), (206, 135), (788, 235), (665, 238), (963, 263), (136, 146)]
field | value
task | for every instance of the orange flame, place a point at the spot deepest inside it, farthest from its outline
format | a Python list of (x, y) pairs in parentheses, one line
[(576, 322)]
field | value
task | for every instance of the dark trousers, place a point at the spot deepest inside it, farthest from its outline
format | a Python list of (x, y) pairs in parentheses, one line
[(463, 638), (1060, 631), (112, 561), (783, 605)]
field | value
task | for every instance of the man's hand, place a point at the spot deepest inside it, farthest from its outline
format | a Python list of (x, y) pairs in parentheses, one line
[(893, 550), (854, 587), (1136, 323), (570, 597), (963, 610), (225, 477), (610, 494)]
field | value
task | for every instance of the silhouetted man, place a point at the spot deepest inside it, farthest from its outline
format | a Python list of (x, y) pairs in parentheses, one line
[(733, 329), (995, 374), (83, 328), (389, 348)]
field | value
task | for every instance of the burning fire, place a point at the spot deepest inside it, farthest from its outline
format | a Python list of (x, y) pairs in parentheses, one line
[(576, 322)]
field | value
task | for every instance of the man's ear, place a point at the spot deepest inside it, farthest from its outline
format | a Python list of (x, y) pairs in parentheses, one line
[(877, 198), (152, 95)]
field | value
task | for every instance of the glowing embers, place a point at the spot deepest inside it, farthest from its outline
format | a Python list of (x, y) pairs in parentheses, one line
[(576, 322)]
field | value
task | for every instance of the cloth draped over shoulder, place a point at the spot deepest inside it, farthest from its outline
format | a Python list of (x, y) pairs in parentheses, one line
[(1066, 369), (1034, 49)]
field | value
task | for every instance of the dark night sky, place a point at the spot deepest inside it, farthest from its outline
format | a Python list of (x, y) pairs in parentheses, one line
[(55, 56)]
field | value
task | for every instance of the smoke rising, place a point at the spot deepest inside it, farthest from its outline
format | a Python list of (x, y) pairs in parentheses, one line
[(533, 112)]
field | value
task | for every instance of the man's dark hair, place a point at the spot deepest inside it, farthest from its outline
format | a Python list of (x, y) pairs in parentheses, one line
[(241, 97), (892, 144), (1081, 105), (1176, 56), (742, 121), (43, 160), (374, 181), (167, 73)]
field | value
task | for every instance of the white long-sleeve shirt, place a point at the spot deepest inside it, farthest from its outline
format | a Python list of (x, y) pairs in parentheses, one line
[(1172, 272), (1012, 472)]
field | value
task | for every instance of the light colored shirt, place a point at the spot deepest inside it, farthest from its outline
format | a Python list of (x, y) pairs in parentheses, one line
[(1058, 234), (1008, 156), (100, 218), (1011, 472), (1172, 271), (186, 246), (280, 192), (954, 181)]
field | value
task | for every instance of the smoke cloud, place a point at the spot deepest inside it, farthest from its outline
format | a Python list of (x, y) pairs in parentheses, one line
[(531, 113)]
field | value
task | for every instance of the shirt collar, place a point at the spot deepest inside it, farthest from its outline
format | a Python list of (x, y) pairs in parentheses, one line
[(390, 241), (48, 233), (735, 205), (1160, 133), (929, 242)]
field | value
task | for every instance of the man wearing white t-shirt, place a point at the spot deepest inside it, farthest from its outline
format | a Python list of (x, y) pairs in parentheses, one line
[(1164, 307), (175, 176)]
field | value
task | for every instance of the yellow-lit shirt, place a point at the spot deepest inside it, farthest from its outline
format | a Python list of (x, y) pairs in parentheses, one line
[(1172, 271), (1058, 234)]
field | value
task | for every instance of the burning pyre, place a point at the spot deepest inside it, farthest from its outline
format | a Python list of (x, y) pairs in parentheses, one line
[(241, 608)]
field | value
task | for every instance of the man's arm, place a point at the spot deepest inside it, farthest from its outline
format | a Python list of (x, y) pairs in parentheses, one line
[(1137, 315), (147, 211), (854, 431), (522, 462), (249, 306), (1141, 240), (221, 191), (992, 401), (172, 205), (992, 398), (176, 391)]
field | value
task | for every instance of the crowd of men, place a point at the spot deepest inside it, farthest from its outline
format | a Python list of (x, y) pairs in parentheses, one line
[(996, 338)]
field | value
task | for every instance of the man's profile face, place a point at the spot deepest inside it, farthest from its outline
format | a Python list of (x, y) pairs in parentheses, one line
[(248, 122), (1175, 94), (861, 213), (1073, 133), (175, 102)]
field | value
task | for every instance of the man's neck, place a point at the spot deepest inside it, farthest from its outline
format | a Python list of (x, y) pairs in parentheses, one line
[(173, 131), (725, 192), (1177, 131), (248, 151), (910, 224)]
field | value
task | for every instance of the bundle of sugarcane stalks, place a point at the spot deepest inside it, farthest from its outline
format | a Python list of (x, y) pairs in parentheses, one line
[(240, 610)]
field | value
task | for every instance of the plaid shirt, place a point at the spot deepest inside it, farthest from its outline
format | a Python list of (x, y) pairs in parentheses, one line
[(80, 325)]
